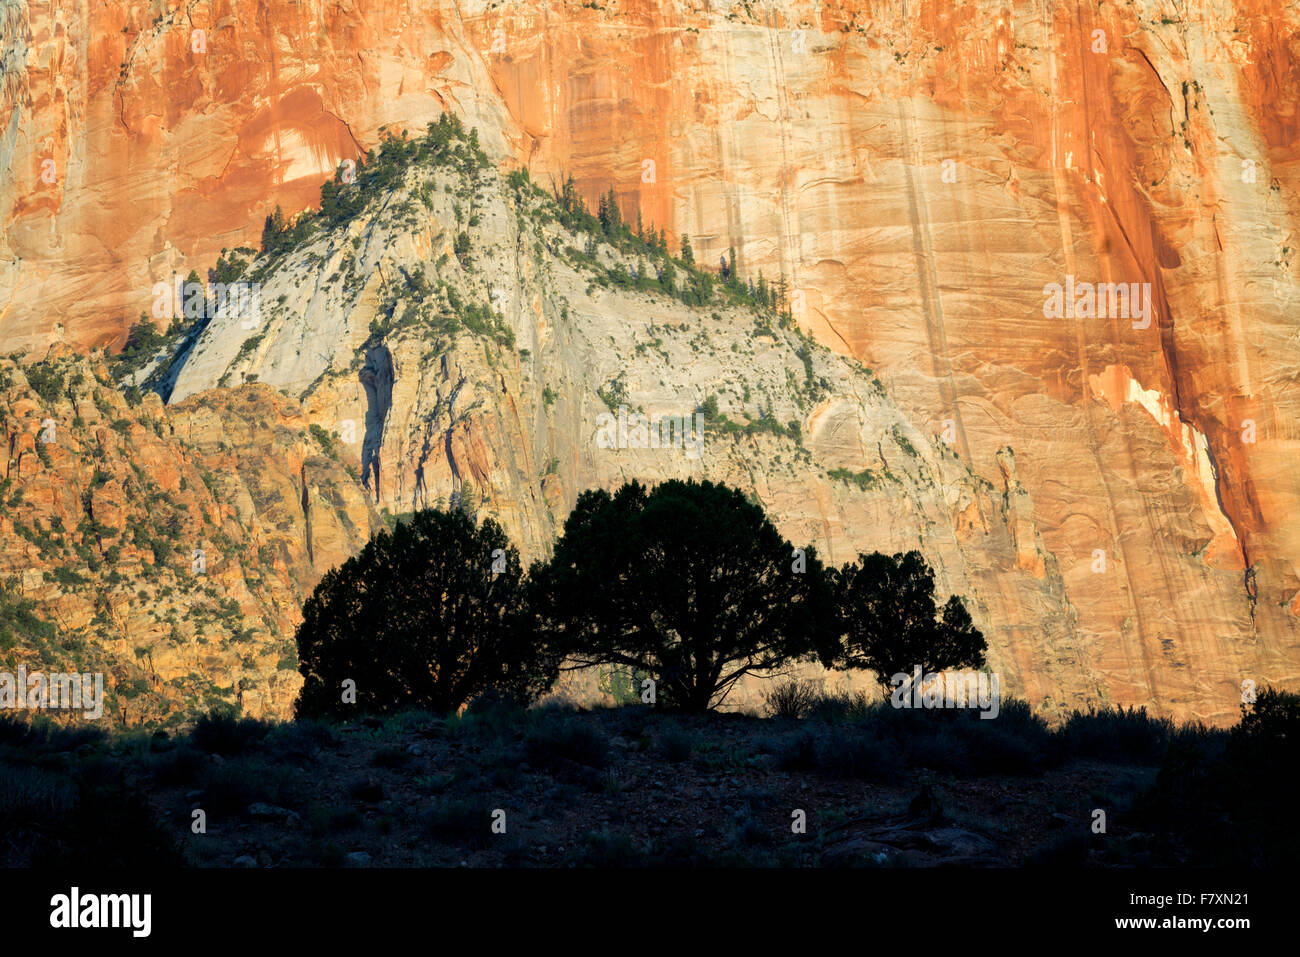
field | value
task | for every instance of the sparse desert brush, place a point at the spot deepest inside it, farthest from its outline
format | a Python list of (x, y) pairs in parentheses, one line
[(962, 741), (231, 787), (1117, 734), (798, 752), (843, 706), (221, 732), (42, 735), (366, 789), (459, 820), (856, 754), (1230, 797), (548, 744), (605, 850), (302, 737), (332, 818), (676, 743), (939, 747), (30, 795), (792, 698), (112, 826), (1066, 850), (634, 719), (751, 832), (493, 715), (1002, 750), (393, 758), (177, 766)]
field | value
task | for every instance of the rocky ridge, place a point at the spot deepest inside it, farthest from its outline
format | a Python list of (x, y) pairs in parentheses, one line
[(168, 547)]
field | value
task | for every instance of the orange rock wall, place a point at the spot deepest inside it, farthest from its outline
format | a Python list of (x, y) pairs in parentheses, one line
[(919, 170)]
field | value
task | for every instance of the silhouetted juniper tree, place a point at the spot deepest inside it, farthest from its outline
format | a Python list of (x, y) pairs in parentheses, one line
[(689, 583), (890, 622), (429, 616)]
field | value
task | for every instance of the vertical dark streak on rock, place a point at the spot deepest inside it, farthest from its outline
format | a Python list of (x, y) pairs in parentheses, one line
[(377, 377), (306, 516)]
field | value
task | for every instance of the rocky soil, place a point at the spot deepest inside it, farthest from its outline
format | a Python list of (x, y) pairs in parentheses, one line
[(623, 787)]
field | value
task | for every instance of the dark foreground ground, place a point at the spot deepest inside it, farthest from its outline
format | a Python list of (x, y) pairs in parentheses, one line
[(635, 786)]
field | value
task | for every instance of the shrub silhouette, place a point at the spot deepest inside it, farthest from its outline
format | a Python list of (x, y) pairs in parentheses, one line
[(890, 622), (1234, 806), (1268, 734), (792, 698), (221, 732), (1117, 734), (689, 583), (420, 619), (555, 742), (1261, 756), (460, 821), (676, 744)]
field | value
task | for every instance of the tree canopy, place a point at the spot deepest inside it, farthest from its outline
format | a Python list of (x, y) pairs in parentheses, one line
[(890, 623), (429, 615), (689, 583)]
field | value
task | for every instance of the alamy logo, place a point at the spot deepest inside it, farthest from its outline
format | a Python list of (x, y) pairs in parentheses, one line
[(103, 910), (639, 431), (947, 689), (1102, 300), (220, 300), (69, 692)]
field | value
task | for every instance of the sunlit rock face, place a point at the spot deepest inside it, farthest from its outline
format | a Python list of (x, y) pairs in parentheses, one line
[(170, 546), (921, 173)]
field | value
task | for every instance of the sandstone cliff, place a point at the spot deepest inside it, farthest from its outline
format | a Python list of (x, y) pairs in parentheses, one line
[(375, 323), (918, 171), (170, 547)]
